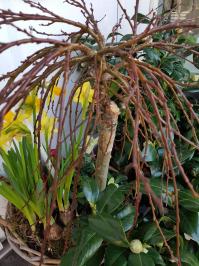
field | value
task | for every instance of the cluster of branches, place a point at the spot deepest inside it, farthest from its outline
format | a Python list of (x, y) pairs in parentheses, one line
[(58, 59)]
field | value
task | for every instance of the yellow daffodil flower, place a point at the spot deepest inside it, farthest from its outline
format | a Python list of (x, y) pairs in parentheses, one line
[(55, 91), (12, 129), (5, 139), (8, 118), (47, 123), (31, 102), (15, 128), (84, 94)]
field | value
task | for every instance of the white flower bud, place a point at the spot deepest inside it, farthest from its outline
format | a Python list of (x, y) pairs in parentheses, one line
[(136, 246)]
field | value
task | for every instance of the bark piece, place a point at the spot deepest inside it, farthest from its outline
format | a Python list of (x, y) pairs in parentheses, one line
[(107, 130)]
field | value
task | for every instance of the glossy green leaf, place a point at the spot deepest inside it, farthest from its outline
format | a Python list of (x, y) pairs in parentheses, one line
[(126, 37), (156, 168), (152, 56), (141, 18), (148, 231), (141, 259), (109, 228), (187, 200), (185, 152), (189, 259), (87, 246), (113, 34), (110, 199), (157, 237), (67, 259), (149, 153), (189, 224), (126, 217), (114, 256), (114, 88), (97, 258), (91, 190), (159, 188), (196, 59), (155, 255)]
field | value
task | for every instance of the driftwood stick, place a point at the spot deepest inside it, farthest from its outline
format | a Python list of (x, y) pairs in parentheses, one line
[(5, 223), (107, 132)]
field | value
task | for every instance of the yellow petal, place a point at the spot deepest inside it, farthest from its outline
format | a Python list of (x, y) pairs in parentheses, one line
[(37, 102), (77, 95), (29, 100), (84, 94), (47, 123), (4, 139), (57, 90), (8, 118)]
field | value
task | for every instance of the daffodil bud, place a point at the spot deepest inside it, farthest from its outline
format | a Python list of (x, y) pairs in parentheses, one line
[(136, 246)]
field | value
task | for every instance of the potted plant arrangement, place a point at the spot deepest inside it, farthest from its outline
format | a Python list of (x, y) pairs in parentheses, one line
[(104, 172)]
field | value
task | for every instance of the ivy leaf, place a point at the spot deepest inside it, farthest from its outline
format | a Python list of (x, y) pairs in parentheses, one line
[(108, 228), (141, 259), (152, 56), (167, 64), (141, 18), (112, 34), (126, 37)]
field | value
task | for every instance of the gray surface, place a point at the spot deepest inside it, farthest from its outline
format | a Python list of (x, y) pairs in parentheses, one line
[(12, 259)]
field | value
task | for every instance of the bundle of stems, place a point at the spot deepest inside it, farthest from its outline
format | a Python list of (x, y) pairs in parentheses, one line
[(141, 85)]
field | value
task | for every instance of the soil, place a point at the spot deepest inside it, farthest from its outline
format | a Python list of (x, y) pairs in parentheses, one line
[(54, 248)]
